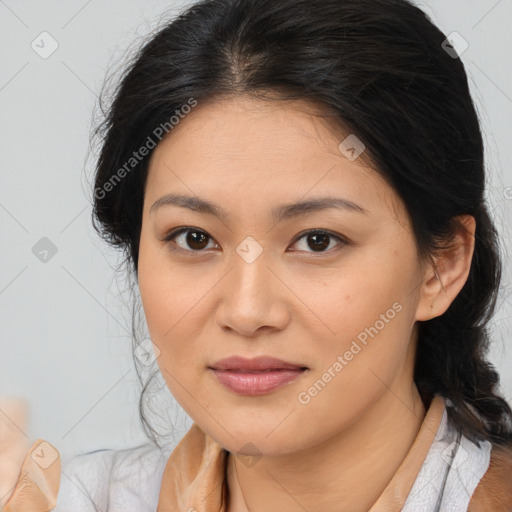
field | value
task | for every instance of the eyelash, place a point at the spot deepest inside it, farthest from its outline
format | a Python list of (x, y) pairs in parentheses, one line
[(170, 236)]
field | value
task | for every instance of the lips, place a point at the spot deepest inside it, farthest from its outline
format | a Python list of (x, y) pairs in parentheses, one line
[(258, 364), (256, 376)]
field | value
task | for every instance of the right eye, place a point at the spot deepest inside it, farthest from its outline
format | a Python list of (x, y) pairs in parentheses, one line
[(180, 238)]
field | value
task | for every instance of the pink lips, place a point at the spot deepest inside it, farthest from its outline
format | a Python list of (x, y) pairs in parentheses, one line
[(256, 376)]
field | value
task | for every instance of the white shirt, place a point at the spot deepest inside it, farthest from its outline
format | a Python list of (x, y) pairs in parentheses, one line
[(129, 480)]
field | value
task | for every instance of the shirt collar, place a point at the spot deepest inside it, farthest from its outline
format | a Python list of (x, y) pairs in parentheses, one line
[(194, 479)]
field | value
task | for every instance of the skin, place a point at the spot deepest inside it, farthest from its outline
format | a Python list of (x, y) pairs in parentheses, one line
[(14, 443), (339, 450)]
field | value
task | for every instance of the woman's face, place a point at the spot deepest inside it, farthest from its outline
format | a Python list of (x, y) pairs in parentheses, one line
[(250, 283)]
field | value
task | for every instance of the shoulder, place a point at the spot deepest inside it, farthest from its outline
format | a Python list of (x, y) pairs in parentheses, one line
[(494, 491), (112, 480)]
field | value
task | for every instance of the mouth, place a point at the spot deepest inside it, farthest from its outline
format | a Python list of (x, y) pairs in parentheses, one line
[(257, 364), (256, 376)]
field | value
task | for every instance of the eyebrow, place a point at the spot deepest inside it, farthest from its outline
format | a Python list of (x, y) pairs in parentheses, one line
[(285, 211)]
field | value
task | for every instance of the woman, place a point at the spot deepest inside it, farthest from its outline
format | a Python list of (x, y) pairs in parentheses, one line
[(298, 187)]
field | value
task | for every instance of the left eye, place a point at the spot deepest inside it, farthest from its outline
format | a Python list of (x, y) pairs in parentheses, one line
[(317, 240)]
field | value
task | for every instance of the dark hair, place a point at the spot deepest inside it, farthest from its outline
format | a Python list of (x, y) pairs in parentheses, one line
[(376, 67)]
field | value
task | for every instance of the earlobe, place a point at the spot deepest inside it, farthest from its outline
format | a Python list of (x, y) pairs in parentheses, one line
[(445, 277)]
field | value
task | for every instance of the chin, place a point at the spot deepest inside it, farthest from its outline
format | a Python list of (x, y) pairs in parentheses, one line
[(252, 441)]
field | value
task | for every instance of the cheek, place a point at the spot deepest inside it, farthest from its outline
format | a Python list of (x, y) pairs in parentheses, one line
[(357, 363), (172, 322), (367, 315), (173, 314), (166, 293), (174, 305), (355, 298)]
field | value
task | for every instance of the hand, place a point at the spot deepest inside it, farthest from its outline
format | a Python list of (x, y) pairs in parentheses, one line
[(14, 444)]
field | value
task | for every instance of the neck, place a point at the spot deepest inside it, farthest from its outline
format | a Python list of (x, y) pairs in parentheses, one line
[(346, 472)]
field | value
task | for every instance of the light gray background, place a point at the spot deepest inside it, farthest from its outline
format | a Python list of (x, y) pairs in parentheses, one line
[(64, 330)]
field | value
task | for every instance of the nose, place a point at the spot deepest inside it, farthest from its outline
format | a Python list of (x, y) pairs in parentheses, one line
[(254, 298)]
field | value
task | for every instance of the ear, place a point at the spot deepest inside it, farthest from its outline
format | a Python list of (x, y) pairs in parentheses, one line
[(443, 279)]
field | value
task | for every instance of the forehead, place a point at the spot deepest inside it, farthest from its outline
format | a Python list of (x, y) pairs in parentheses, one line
[(241, 124), (266, 148)]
